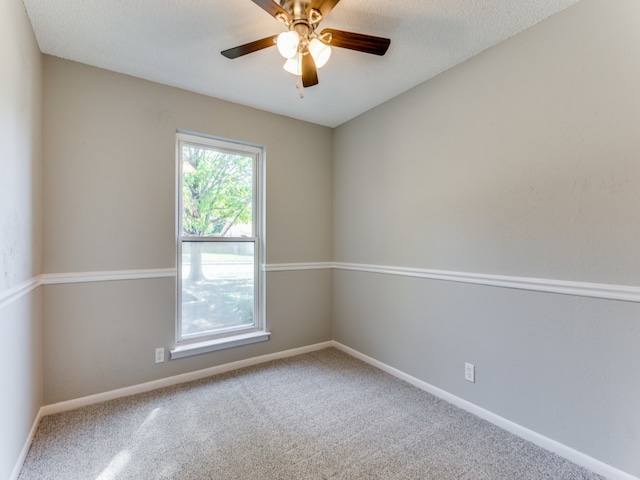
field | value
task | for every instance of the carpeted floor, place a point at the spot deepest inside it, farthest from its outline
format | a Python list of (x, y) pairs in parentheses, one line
[(322, 415)]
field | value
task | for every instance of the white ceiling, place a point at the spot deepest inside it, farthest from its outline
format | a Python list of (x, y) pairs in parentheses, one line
[(178, 43)]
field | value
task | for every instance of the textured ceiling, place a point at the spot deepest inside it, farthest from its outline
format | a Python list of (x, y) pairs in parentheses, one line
[(178, 43)]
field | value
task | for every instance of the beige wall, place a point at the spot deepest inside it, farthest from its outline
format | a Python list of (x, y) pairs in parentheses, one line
[(20, 122), (109, 169), (523, 161), (20, 231), (109, 143)]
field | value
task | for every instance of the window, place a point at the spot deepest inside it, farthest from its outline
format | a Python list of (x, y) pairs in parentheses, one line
[(220, 284)]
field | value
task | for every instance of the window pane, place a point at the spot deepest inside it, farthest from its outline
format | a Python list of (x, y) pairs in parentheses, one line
[(217, 286), (217, 189)]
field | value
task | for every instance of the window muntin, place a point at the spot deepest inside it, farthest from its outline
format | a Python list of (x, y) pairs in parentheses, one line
[(219, 240)]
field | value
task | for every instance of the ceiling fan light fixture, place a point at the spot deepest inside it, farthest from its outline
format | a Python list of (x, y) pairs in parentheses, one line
[(288, 43), (320, 52), (304, 49), (294, 65)]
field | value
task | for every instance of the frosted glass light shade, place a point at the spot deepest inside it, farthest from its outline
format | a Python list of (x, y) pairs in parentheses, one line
[(294, 65), (320, 52), (288, 43)]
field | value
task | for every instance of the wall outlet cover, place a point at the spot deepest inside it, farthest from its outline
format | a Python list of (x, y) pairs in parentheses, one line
[(469, 372), (160, 355)]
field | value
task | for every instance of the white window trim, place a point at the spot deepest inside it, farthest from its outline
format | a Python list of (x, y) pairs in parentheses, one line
[(236, 336)]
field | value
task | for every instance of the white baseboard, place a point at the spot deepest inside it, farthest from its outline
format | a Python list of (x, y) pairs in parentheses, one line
[(558, 448), (153, 385), (177, 379), (26, 447)]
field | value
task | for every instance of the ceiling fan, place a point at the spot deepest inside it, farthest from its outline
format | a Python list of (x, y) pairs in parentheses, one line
[(304, 49)]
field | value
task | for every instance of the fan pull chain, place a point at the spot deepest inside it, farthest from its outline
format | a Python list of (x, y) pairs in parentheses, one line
[(299, 87)]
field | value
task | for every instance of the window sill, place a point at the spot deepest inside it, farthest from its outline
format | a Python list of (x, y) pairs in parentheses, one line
[(218, 344)]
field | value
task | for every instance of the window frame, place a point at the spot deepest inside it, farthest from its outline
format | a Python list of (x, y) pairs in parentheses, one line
[(231, 336)]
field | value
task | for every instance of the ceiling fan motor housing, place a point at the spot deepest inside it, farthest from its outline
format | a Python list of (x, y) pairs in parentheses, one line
[(296, 8)]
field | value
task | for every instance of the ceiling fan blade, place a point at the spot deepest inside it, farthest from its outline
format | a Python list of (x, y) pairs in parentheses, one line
[(272, 8), (358, 41), (309, 72), (323, 6), (250, 47)]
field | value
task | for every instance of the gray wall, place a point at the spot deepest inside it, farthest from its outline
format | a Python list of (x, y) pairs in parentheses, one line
[(523, 161), (109, 182), (20, 231)]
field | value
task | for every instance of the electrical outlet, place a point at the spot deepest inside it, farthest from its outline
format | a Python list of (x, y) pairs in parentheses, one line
[(160, 355), (469, 372)]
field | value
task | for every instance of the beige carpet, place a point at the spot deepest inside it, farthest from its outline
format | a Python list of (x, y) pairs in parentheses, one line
[(323, 415)]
